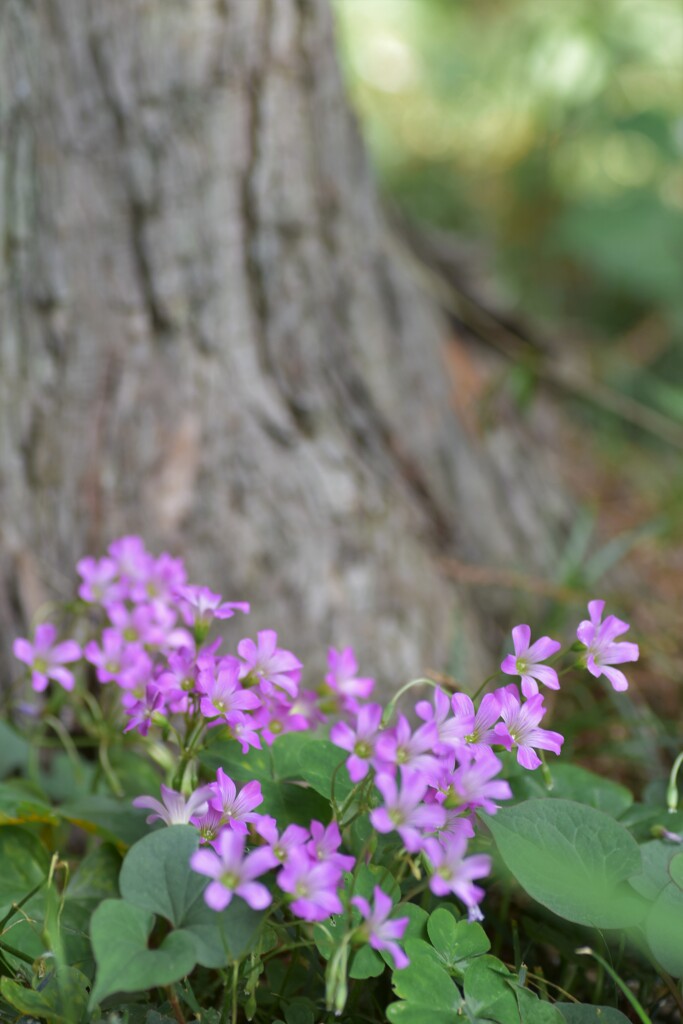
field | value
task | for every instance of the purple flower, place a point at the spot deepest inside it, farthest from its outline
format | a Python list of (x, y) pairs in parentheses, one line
[(46, 659), (482, 734), (223, 693), (293, 837), (324, 846), (210, 824), (232, 873), (100, 581), (378, 930), (404, 811), (525, 662), (269, 664), (452, 731), (236, 809), (453, 872), (242, 729), (126, 664), (277, 717), (175, 809), (474, 784), (360, 743), (132, 560), (200, 606), (520, 723), (142, 711), (398, 746), (313, 886), (603, 652), (343, 678)]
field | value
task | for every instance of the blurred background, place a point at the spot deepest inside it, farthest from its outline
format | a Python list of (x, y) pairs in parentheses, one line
[(542, 140)]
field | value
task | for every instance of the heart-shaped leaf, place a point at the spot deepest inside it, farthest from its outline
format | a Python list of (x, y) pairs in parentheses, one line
[(119, 933), (455, 940), (156, 875), (572, 859)]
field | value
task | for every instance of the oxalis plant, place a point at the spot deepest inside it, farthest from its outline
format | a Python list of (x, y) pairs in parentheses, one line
[(189, 834)]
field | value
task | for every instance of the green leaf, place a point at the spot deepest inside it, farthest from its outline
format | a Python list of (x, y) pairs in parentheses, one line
[(582, 1013), (156, 876), (417, 921), (114, 820), (14, 751), (61, 999), (412, 1013), (676, 869), (119, 934), (664, 930), (156, 873), (572, 859), (25, 863), (455, 940), (19, 805), (427, 985), (97, 876), (366, 963), (655, 857), (488, 992), (571, 782), (300, 1011)]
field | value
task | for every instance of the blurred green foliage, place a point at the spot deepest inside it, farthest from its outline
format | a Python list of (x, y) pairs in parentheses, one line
[(553, 129)]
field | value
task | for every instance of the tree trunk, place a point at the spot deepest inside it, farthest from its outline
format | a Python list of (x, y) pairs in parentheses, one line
[(208, 336)]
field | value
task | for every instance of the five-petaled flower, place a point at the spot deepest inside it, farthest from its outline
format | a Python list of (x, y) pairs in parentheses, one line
[(377, 929), (526, 661), (603, 650), (233, 873)]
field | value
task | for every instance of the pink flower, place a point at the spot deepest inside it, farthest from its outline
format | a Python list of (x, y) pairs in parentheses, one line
[(452, 731), (242, 729), (223, 693), (232, 873), (176, 809), (313, 886), (603, 651), (324, 846), (404, 810), (482, 734), (126, 664), (360, 743), (46, 659), (142, 711), (525, 662), (454, 873), (400, 746), (269, 664), (343, 678), (199, 605), (100, 581), (293, 837), (378, 930), (520, 723), (474, 784), (236, 809)]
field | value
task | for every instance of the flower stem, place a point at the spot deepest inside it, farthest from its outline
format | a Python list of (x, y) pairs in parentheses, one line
[(642, 1015)]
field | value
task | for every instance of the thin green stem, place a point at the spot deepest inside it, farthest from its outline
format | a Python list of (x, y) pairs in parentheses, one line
[(642, 1015), (483, 686), (235, 979), (391, 706), (672, 788)]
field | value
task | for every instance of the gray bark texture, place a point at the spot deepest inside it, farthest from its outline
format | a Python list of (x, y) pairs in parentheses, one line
[(209, 337)]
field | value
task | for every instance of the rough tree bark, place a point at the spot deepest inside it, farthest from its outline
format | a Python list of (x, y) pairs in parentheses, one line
[(208, 336)]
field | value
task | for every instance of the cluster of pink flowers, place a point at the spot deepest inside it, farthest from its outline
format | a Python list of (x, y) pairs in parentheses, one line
[(424, 782), (150, 644)]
